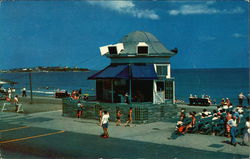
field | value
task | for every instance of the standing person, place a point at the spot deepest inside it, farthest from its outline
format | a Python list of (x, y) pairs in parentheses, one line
[(104, 124), (246, 136), (241, 97), (16, 101), (13, 90), (129, 121), (228, 117), (24, 92), (80, 91), (118, 118), (100, 116), (9, 93), (79, 109), (126, 100), (233, 125)]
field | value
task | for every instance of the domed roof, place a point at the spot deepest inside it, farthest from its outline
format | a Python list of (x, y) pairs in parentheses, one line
[(155, 47), (139, 36)]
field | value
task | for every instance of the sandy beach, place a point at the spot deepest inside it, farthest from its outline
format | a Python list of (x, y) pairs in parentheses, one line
[(40, 104)]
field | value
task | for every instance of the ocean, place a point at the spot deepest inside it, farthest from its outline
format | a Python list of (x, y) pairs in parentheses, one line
[(216, 83)]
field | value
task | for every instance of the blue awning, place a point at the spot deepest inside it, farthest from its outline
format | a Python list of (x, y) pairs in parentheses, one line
[(112, 72), (146, 71), (131, 71)]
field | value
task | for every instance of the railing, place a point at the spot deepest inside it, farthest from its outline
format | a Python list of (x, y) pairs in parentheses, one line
[(159, 97)]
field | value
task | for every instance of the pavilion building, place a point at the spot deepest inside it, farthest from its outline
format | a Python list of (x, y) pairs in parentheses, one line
[(139, 71)]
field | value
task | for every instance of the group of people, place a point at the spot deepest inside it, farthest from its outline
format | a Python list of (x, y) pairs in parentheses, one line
[(225, 103), (76, 94), (104, 118), (15, 100), (229, 119)]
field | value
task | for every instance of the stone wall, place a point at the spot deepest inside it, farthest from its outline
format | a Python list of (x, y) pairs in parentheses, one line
[(142, 112)]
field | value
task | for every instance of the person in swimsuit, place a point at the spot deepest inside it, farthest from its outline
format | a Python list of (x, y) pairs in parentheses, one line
[(118, 118), (129, 121), (193, 122)]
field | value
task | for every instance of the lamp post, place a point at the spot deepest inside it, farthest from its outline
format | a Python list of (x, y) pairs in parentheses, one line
[(31, 94)]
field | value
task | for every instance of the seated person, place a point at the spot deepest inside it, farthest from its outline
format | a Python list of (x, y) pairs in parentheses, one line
[(182, 115), (193, 122), (228, 102), (222, 102)]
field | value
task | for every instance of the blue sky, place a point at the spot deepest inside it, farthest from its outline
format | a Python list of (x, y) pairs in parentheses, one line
[(208, 34)]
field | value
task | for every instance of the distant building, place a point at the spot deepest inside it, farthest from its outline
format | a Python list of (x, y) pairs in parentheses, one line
[(140, 71)]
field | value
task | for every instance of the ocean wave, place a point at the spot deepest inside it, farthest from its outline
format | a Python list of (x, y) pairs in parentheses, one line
[(42, 92)]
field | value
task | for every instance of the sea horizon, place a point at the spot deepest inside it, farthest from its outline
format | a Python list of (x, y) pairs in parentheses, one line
[(217, 83)]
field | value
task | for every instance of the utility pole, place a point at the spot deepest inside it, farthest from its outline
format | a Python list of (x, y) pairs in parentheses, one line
[(31, 95)]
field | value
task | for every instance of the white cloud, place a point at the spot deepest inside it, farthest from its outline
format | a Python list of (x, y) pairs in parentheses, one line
[(203, 9), (238, 35), (126, 7)]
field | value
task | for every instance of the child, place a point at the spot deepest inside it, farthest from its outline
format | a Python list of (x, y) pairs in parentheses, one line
[(79, 109), (104, 124), (118, 118), (129, 121), (180, 128)]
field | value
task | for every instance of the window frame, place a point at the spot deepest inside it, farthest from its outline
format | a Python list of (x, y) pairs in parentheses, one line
[(142, 44)]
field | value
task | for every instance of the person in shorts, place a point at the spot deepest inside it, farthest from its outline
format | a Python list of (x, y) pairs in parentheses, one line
[(104, 124), (79, 109), (16, 101)]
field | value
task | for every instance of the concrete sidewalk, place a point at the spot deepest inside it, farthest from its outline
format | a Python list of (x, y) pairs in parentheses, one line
[(158, 132)]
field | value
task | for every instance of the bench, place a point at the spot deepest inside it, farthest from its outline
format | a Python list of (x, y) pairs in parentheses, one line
[(19, 108)]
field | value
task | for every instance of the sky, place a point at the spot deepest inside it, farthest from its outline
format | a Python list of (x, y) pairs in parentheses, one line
[(208, 34)]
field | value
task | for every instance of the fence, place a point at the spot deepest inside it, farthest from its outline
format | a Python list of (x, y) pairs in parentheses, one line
[(142, 112)]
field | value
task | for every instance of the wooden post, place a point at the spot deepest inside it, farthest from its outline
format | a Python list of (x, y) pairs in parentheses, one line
[(31, 94), (130, 83)]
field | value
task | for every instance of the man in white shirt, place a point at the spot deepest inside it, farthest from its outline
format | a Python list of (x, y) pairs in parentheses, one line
[(24, 92), (104, 124), (233, 124), (241, 97), (9, 93)]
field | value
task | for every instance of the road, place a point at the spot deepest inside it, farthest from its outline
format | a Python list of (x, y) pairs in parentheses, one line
[(23, 139)]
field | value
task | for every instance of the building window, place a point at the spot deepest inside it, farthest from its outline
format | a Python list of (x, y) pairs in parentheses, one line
[(162, 70), (160, 86), (142, 48), (169, 90), (112, 50)]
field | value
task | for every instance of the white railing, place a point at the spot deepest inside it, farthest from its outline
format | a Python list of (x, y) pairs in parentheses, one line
[(159, 97)]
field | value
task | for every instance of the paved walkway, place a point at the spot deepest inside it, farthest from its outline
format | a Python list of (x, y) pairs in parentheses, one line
[(153, 133)]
